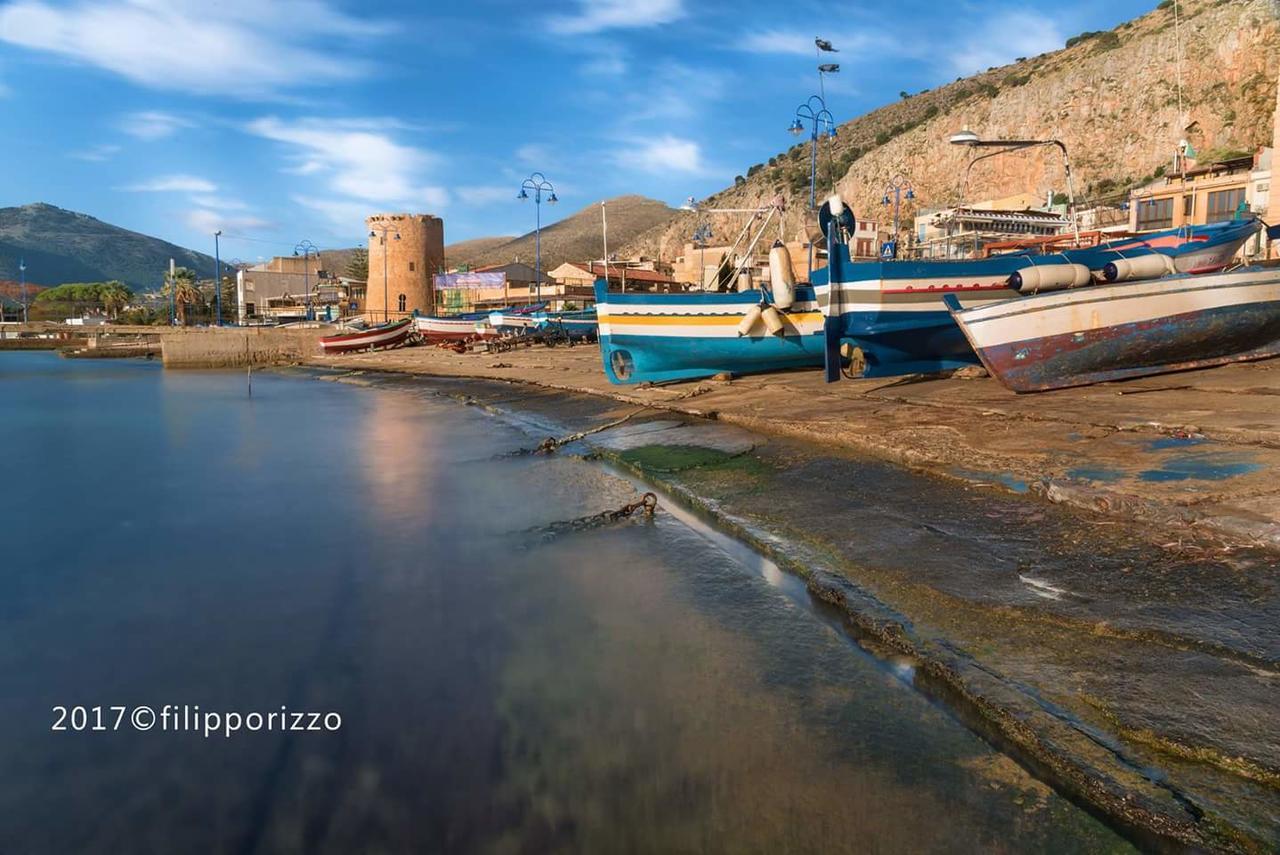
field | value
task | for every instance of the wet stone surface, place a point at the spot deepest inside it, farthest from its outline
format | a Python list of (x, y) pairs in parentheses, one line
[(1156, 668)]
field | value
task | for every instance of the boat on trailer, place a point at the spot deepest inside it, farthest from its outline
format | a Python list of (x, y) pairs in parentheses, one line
[(437, 329), (1095, 334), (518, 320), (891, 318), (580, 325), (380, 337)]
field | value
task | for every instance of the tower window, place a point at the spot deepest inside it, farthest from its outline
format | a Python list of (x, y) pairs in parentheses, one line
[(403, 302), (410, 266)]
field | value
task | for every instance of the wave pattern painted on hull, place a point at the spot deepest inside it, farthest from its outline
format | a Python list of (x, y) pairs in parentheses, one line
[(657, 337)]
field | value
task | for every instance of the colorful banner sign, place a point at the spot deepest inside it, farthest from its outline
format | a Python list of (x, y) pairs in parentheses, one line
[(445, 281)]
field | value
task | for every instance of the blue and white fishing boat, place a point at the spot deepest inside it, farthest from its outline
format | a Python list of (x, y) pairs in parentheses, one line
[(658, 337), (881, 318), (889, 317)]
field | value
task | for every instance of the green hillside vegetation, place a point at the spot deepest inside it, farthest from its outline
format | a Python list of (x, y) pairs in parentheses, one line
[(62, 246)]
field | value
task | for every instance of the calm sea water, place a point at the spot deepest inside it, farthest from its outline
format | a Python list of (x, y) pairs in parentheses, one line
[(165, 539)]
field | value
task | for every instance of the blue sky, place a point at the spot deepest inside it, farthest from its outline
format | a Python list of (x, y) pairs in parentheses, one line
[(278, 120)]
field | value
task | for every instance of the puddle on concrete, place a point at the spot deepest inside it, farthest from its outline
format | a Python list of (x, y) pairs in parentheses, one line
[(1210, 466)]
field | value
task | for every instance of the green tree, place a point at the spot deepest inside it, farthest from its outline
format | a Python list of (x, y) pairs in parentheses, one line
[(358, 264), (114, 296)]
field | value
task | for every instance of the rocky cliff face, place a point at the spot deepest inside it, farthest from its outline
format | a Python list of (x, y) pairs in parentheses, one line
[(1112, 97)]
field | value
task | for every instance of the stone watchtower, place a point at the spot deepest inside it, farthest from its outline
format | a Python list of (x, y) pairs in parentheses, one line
[(411, 262)]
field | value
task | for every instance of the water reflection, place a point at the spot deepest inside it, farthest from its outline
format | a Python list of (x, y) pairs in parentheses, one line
[(650, 686)]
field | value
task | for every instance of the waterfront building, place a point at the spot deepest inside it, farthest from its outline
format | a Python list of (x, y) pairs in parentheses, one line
[(413, 248), (1210, 192), (276, 291), (966, 230)]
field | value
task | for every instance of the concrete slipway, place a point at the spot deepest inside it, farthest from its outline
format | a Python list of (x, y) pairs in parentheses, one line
[(1123, 644)]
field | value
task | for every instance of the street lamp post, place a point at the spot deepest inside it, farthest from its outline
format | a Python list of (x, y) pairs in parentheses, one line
[(308, 249), (968, 138), (217, 276), (386, 305), (700, 238), (22, 280), (815, 112), (895, 187), (537, 182)]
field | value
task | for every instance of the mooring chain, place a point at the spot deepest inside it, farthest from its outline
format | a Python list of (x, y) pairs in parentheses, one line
[(647, 504), (551, 443)]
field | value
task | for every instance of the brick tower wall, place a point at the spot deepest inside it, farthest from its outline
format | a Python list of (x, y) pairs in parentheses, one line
[(411, 262), (1273, 200)]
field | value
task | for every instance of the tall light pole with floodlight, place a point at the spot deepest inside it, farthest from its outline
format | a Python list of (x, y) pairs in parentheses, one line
[(217, 276), (22, 280), (966, 137), (897, 184), (537, 182)]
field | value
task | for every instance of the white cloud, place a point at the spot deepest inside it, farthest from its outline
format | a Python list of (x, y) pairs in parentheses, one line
[(355, 156), (596, 15), (241, 48), (484, 194), (663, 155), (153, 124), (343, 213), (209, 221), (97, 153), (173, 184), (220, 203), (1003, 38)]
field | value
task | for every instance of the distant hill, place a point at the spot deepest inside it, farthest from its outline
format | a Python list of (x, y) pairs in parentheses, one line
[(65, 246), (575, 238)]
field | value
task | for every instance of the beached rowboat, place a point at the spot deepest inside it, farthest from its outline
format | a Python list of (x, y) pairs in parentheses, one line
[(375, 338), (1129, 329), (455, 328)]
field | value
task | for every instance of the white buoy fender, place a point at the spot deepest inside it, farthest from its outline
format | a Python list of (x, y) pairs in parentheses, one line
[(782, 276), (772, 320), (1139, 267), (748, 321), (836, 204), (1049, 277), (744, 280)]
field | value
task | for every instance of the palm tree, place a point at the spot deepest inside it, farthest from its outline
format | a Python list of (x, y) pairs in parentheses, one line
[(185, 292), (115, 296)]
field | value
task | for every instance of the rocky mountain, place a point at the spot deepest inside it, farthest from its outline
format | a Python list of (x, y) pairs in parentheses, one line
[(575, 238), (65, 246), (1112, 97)]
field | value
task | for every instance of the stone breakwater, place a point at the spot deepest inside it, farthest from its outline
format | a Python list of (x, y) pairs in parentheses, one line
[(240, 347)]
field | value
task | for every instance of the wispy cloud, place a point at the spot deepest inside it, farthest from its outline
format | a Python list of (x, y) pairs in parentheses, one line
[(663, 155), (209, 221), (173, 184), (484, 194), (1004, 37), (359, 161), (97, 153), (356, 157), (152, 125), (243, 48), (594, 16)]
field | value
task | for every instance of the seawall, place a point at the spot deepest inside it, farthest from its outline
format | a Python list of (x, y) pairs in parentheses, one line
[(236, 348)]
